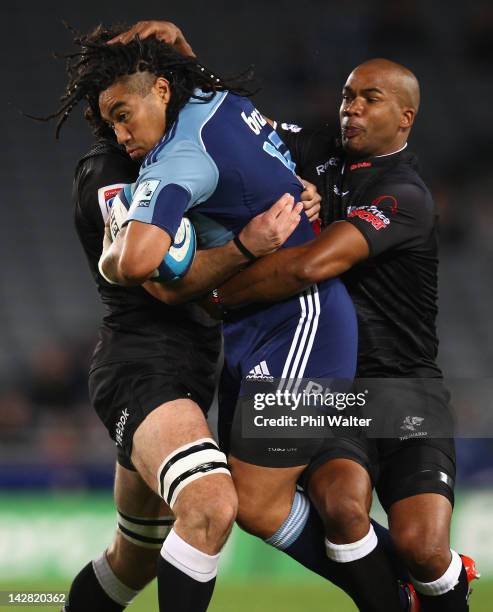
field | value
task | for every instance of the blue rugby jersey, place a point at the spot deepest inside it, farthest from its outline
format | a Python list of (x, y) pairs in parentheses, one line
[(222, 164)]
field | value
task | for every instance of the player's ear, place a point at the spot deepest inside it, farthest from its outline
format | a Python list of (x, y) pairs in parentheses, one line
[(407, 118), (162, 89)]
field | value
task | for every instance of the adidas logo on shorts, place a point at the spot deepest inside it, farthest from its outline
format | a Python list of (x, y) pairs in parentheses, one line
[(260, 372)]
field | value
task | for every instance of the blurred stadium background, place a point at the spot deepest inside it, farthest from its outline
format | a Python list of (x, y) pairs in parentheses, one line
[(56, 461)]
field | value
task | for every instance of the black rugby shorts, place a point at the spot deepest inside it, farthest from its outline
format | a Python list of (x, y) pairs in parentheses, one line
[(124, 393)]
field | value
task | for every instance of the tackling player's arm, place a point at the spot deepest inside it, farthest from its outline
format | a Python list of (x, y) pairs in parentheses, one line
[(262, 235), (399, 217), (291, 270)]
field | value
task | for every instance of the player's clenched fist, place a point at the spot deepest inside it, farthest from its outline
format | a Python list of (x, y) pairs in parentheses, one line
[(268, 231), (311, 200)]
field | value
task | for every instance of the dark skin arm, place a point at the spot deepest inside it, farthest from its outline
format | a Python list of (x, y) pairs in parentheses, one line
[(289, 271)]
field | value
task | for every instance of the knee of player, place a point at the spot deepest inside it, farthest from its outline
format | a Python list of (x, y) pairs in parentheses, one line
[(421, 548), (343, 514), (214, 516), (255, 519), (221, 512), (196, 483), (251, 523)]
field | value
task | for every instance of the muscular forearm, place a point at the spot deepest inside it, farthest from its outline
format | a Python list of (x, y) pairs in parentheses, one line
[(135, 253), (210, 269), (109, 265), (274, 278), (289, 271)]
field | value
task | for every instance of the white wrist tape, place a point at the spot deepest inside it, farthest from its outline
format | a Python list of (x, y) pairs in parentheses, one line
[(108, 280)]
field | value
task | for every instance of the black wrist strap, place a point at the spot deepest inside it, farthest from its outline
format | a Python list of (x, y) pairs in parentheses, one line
[(248, 254)]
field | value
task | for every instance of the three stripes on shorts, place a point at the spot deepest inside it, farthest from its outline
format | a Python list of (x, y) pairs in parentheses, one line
[(302, 344)]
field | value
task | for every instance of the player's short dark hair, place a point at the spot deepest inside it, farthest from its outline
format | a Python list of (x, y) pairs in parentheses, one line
[(97, 65)]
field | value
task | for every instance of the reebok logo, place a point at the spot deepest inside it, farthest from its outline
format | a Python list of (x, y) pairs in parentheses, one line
[(120, 426), (321, 169)]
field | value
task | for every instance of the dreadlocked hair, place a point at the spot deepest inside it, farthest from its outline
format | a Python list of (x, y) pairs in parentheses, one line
[(97, 65)]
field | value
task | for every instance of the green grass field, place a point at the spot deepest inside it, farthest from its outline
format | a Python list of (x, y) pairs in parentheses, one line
[(261, 596), (253, 577)]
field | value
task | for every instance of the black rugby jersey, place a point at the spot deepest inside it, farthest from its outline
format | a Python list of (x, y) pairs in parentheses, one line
[(395, 289), (135, 325)]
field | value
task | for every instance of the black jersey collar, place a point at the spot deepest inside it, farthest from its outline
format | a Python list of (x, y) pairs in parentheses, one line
[(375, 161)]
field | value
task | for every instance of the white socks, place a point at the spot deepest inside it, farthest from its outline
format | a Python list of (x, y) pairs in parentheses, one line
[(111, 585), (344, 553), (189, 560), (445, 583)]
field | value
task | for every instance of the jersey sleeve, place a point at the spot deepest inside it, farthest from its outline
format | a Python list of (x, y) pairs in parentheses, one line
[(97, 180), (100, 178), (296, 139), (400, 216), (182, 178), (307, 146)]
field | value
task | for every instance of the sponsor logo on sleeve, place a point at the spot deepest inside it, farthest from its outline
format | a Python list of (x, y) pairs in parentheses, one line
[(106, 195), (144, 192), (291, 127), (373, 213), (387, 201)]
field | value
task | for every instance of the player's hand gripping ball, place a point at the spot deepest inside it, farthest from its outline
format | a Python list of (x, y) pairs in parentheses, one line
[(178, 259)]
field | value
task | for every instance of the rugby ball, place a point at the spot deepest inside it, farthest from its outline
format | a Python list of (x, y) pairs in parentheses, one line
[(178, 259), (180, 256)]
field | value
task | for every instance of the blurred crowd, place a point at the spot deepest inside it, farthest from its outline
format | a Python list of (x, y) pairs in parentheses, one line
[(48, 432), (50, 437)]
